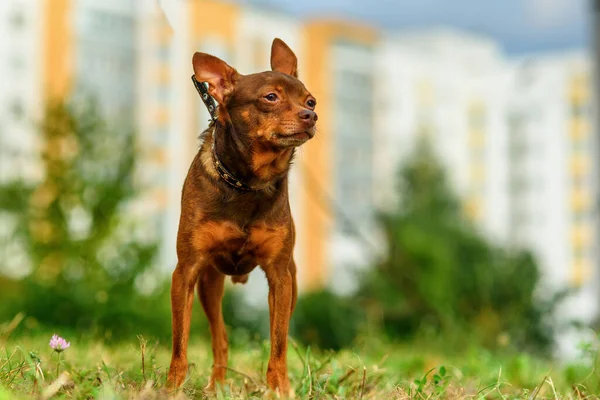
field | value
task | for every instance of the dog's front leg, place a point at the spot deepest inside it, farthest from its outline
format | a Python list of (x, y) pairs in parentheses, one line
[(280, 306), (210, 291), (184, 279)]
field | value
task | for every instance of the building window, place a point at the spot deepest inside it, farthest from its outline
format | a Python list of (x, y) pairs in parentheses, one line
[(580, 217), (216, 46), (17, 109), (161, 136), (17, 62), (162, 94), (163, 52), (353, 124), (260, 57), (579, 88), (17, 19), (579, 109), (477, 117)]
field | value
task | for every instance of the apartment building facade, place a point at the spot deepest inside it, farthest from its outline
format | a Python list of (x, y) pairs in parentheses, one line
[(335, 59), (516, 136), (554, 174), (451, 87), (20, 97), (51, 50)]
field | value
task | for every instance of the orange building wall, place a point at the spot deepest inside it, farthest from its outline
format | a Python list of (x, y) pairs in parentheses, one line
[(223, 21), (316, 161), (58, 48)]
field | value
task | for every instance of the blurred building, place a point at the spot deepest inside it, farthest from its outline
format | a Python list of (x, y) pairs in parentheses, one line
[(331, 183), (554, 174), (172, 116), (516, 139), (22, 71), (514, 135), (337, 165), (134, 59), (52, 50), (450, 86), (57, 49)]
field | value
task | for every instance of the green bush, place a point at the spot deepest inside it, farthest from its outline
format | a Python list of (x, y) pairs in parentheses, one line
[(326, 320), (320, 319), (440, 275)]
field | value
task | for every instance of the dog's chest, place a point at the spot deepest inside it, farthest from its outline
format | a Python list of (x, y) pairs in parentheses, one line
[(236, 251)]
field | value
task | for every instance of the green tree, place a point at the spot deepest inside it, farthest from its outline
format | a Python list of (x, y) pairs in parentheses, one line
[(74, 226), (442, 275)]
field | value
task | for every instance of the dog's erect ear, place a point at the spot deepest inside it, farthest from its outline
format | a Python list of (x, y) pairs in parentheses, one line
[(221, 77), (283, 58)]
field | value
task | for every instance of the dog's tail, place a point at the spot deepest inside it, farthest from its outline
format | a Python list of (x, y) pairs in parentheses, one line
[(240, 278)]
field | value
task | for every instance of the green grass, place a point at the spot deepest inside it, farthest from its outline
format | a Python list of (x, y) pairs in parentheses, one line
[(373, 369)]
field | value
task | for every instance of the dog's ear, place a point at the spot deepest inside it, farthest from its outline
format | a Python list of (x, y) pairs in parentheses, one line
[(283, 58), (221, 77)]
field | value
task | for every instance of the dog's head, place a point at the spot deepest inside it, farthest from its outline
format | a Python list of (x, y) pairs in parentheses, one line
[(273, 107)]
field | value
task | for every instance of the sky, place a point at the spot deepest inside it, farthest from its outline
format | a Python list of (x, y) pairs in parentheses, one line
[(520, 26)]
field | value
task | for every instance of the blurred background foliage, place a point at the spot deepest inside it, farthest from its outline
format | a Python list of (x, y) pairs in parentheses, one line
[(86, 251), (441, 275), (80, 245)]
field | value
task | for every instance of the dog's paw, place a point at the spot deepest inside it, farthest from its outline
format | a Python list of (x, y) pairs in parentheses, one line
[(211, 387), (279, 383), (178, 373), (280, 394)]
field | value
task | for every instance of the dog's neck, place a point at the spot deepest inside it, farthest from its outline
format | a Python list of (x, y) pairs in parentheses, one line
[(259, 166)]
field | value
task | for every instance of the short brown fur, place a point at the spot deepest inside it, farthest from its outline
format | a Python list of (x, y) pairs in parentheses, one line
[(225, 231)]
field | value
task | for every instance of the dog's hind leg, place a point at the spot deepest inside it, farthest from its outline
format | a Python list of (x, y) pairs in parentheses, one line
[(210, 291)]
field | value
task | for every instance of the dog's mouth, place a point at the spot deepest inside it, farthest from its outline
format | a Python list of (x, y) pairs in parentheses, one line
[(294, 139)]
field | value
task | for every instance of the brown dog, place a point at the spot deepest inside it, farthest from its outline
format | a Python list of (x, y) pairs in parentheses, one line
[(235, 212)]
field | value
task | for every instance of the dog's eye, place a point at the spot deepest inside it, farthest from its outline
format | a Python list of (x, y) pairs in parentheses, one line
[(311, 103), (271, 97)]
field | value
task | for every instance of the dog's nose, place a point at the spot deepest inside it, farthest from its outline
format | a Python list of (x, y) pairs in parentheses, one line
[(308, 115)]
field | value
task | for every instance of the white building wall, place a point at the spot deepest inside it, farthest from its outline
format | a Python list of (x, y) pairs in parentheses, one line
[(548, 221), (432, 79), (166, 105), (497, 185), (352, 243), (428, 82), (104, 56), (153, 80), (181, 112), (21, 63)]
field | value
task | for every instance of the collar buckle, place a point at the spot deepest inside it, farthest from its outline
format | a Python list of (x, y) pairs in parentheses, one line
[(207, 99)]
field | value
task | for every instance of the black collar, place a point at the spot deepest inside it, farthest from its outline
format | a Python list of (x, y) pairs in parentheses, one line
[(224, 173), (227, 176)]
